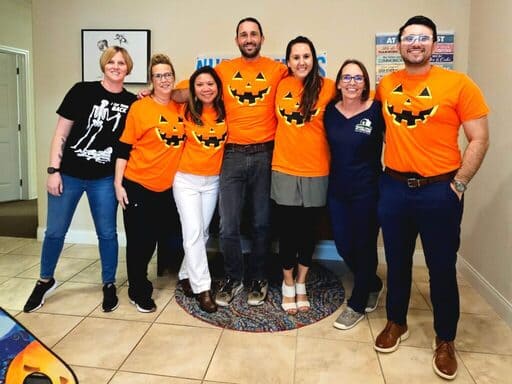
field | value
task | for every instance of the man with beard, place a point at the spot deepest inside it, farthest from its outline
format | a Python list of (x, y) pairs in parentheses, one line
[(249, 86), (421, 190)]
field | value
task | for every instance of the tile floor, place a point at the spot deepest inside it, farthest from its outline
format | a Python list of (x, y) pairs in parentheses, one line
[(172, 347)]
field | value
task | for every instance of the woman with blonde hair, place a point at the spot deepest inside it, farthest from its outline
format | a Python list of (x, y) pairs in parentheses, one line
[(91, 119), (148, 155)]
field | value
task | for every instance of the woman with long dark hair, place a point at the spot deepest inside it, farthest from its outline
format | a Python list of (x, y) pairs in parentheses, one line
[(196, 184), (300, 166)]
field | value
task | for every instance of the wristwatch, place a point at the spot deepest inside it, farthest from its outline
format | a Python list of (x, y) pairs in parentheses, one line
[(459, 186), (52, 170)]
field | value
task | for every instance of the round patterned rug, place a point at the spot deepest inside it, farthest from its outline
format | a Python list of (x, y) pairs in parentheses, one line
[(325, 294)]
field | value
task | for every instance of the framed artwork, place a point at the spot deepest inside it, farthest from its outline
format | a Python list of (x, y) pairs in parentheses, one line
[(135, 41)]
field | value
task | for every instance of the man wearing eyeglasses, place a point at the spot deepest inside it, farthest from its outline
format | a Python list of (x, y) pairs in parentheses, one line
[(425, 177)]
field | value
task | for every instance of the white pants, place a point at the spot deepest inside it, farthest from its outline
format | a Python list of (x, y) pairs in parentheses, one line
[(196, 199)]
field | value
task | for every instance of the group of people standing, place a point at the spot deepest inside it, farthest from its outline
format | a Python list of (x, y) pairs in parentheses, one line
[(254, 130)]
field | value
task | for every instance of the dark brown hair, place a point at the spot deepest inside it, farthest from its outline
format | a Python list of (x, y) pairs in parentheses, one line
[(252, 20), (313, 81), (194, 107), (366, 90)]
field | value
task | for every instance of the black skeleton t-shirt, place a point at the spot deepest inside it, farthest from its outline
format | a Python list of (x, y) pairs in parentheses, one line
[(99, 118)]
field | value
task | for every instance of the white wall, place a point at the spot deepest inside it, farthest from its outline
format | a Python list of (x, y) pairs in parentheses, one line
[(15, 35), (186, 29), (342, 28), (487, 231)]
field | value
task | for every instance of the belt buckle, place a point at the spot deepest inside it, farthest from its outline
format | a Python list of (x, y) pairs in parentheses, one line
[(413, 182)]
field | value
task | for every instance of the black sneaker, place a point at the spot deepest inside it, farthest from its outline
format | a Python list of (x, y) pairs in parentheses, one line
[(146, 306), (227, 292), (257, 292), (40, 292), (110, 300)]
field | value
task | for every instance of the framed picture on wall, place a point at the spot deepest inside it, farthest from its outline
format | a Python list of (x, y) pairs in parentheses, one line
[(135, 41)]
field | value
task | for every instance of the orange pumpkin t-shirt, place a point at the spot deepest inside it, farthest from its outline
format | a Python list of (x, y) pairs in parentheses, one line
[(301, 147), (157, 134), (423, 114), (249, 89), (204, 146)]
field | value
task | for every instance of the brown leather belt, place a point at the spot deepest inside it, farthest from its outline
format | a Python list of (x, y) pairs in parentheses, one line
[(250, 148), (414, 180)]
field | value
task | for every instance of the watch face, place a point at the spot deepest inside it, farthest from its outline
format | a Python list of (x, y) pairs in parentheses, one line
[(460, 187), (52, 170)]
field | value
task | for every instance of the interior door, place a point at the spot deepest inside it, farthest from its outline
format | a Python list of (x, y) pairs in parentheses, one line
[(10, 171)]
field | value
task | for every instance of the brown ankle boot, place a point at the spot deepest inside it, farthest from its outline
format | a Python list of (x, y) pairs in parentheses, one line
[(206, 302)]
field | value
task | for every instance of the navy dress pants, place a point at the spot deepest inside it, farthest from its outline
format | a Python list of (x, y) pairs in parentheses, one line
[(355, 230), (434, 212)]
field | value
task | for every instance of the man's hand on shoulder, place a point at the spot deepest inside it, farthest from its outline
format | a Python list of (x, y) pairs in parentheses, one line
[(143, 93)]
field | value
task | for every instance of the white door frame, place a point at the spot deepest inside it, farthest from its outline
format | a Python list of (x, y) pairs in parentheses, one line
[(25, 113)]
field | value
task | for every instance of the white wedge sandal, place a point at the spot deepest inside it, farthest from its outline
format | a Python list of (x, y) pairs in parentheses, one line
[(289, 291), (302, 305)]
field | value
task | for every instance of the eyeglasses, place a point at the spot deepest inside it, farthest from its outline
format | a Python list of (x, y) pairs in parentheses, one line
[(422, 39), (163, 76), (348, 78)]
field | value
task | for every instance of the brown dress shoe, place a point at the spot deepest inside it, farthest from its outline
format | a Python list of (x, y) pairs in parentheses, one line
[(185, 286), (444, 361), (390, 337), (206, 302)]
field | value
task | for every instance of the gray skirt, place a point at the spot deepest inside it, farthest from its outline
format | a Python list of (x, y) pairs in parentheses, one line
[(298, 191)]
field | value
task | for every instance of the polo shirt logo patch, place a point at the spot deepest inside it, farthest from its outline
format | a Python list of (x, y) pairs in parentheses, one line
[(364, 126)]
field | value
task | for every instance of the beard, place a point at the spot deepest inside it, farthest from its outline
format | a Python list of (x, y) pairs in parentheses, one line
[(250, 55), (416, 61)]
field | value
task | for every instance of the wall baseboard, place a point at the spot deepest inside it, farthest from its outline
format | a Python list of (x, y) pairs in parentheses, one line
[(496, 300), (325, 250)]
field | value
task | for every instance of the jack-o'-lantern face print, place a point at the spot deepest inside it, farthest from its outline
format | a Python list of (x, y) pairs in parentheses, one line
[(208, 139), (248, 88), (288, 109), (173, 137), (410, 109), (36, 363)]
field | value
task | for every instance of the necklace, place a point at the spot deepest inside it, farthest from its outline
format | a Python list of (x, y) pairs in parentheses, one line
[(159, 100)]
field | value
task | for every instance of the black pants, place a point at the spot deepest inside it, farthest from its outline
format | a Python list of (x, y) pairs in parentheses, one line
[(150, 217), (297, 234)]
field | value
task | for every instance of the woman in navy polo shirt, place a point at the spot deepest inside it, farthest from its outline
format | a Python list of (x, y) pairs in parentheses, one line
[(355, 127)]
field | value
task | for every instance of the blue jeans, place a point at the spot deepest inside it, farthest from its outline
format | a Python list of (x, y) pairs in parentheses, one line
[(103, 205), (245, 176), (435, 213), (355, 230)]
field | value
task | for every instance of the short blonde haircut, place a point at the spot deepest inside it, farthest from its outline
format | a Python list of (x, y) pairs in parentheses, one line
[(160, 58), (110, 52)]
